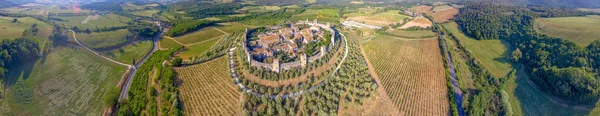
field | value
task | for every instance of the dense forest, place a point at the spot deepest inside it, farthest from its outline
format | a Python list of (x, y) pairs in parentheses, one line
[(559, 67), (15, 52)]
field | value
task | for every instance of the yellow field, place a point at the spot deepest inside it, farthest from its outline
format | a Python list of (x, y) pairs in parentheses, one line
[(412, 74), (581, 30), (208, 90), (381, 19)]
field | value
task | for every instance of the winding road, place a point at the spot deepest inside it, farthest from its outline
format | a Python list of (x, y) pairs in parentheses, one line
[(245, 89), (458, 95), (97, 54), (124, 91)]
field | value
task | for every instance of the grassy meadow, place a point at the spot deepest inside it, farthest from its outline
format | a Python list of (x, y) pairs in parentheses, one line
[(126, 54), (68, 81), (524, 96), (197, 49), (491, 53), (104, 21), (325, 15), (145, 13), (526, 99), (581, 30), (166, 43), (380, 19), (105, 39), (10, 30), (200, 35), (231, 27)]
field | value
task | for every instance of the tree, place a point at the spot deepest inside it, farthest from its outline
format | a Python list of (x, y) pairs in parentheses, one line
[(516, 55), (177, 61), (111, 96)]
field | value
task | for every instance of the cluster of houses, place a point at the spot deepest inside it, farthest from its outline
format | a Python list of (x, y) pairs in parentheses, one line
[(288, 40)]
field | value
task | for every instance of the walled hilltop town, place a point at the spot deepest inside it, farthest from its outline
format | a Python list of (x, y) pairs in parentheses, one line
[(290, 46)]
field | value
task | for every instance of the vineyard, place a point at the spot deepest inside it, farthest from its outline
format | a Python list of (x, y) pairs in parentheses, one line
[(214, 50), (412, 74), (207, 89)]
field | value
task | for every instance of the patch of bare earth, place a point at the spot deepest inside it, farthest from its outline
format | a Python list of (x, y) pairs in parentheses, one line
[(422, 9), (418, 22), (445, 15)]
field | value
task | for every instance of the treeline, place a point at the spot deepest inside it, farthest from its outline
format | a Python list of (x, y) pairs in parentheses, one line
[(139, 90), (103, 6), (180, 27), (557, 66), (67, 14), (214, 10), (16, 51)]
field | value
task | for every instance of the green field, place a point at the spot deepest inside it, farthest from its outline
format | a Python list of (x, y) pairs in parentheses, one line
[(231, 27), (145, 13), (126, 54), (412, 34), (9, 30), (256, 9), (129, 6), (69, 81), (379, 19), (581, 30), (105, 39), (326, 15), (391, 15), (14, 10), (526, 99), (200, 36), (491, 53), (197, 49), (166, 43), (57, 9), (104, 21)]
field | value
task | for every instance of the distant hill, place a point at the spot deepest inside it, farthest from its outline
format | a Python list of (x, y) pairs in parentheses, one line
[(555, 3)]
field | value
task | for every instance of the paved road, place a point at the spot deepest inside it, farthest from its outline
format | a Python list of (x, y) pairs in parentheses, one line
[(125, 89), (458, 95), (245, 89), (98, 54)]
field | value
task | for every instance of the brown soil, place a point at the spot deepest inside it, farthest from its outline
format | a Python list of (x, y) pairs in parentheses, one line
[(418, 22), (422, 9), (445, 15), (412, 74), (206, 89)]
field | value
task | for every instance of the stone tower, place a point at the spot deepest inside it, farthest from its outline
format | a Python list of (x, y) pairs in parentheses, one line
[(303, 60), (275, 65), (322, 51)]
